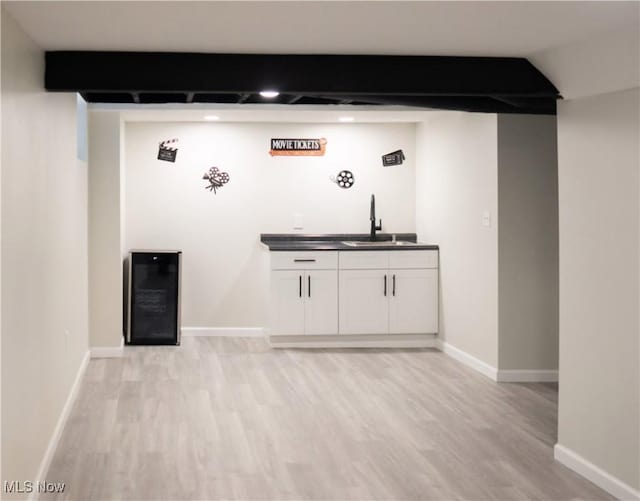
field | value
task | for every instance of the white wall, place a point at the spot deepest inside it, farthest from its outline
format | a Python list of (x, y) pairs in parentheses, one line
[(225, 281), (528, 242), (44, 255), (498, 282), (456, 181), (105, 230), (599, 164)]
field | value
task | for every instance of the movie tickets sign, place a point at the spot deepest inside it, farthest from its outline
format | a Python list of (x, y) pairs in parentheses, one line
[(298, 147), (393, 158)]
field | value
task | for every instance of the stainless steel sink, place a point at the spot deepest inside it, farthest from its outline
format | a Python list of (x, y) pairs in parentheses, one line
[(388, 243)]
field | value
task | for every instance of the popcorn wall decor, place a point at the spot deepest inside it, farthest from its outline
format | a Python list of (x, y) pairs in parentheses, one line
[(168, 153), (216, 179)]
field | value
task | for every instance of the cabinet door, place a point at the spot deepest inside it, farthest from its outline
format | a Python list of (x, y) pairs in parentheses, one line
[(321, 301), (364, 304), (287, 302), (413, 303)]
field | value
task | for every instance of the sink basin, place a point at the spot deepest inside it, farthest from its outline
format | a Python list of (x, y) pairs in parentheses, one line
[(388, 243)]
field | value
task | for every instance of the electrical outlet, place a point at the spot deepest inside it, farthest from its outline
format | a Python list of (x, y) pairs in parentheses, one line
[(298, 222)]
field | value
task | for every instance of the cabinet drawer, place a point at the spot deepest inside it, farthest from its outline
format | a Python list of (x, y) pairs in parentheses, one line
[(304, 260), (362, 260), (407, 259)]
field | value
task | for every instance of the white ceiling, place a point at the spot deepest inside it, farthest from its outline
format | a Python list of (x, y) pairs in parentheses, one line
[(265, 113), (475, 28)]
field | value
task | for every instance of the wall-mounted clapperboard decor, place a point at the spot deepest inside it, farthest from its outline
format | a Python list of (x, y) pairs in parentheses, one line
[(166, 152), (298, 147), (215, 178), (393, 158), (344, 179)]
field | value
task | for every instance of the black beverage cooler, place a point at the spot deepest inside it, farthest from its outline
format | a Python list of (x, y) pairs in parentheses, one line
[(153, 292)]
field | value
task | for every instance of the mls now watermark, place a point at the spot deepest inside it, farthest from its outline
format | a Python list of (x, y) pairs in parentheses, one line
[(28, 486)]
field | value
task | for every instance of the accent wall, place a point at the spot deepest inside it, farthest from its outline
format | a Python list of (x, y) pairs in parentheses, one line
[(225, 268)]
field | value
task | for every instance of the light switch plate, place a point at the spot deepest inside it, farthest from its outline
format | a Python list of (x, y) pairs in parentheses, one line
[(486, 218), (298, 222)]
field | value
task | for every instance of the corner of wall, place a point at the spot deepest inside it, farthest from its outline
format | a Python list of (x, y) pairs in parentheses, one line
[(45, 267), (105, 230), (599, 225), (456, 185), (528, 247)]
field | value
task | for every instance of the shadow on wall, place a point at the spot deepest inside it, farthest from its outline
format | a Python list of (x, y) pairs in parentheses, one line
[(250, 287), (243, 297)]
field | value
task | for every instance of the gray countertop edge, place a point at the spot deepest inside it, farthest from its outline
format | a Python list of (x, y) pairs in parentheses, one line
[(280, 242)]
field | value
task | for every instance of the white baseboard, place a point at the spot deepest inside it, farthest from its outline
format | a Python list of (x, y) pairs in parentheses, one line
[(62, 420), (527, 376), (107, 351), (499, 375), (593, 473), (469, 360), (223, 331), (355, 341)]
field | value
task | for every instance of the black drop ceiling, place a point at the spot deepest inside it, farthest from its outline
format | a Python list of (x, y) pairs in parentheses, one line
[(484, 84)]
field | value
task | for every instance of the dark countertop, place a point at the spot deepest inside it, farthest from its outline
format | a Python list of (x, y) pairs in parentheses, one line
[(334, 241)]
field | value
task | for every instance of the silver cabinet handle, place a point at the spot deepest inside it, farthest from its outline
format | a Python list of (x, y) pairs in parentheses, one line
[(299, 285), (394, 284), (304, 260), (309, 285), (385, 285)]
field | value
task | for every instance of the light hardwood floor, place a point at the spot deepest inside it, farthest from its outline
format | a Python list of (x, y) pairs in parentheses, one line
[(230, 418)]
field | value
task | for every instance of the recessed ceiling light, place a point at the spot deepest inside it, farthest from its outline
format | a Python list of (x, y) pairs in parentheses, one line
[(346, 119), (211, 118), (269, 93)]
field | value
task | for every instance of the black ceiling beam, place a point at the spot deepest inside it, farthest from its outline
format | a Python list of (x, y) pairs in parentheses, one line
[(488, 104), (361, 78), (293, 99), (293, 74), (242, 98)]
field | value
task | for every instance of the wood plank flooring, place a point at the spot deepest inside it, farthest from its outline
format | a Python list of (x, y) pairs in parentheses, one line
[(230, 418)]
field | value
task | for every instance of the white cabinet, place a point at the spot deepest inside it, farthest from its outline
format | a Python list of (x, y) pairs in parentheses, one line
[(320, 302), (287, 303), (413, 303), (354, 292), (304, 299), (364, 305), (398, 296)]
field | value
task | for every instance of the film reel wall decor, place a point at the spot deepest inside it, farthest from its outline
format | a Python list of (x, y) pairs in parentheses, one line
[(344, 179)]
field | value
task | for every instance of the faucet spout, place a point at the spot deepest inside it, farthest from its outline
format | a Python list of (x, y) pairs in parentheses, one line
[(372, 218), (372, 210)]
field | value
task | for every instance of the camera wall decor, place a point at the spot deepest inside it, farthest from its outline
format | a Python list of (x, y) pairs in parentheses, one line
[(216, 179)]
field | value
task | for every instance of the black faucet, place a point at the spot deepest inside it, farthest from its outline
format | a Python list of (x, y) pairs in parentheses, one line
[(372, 218)]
